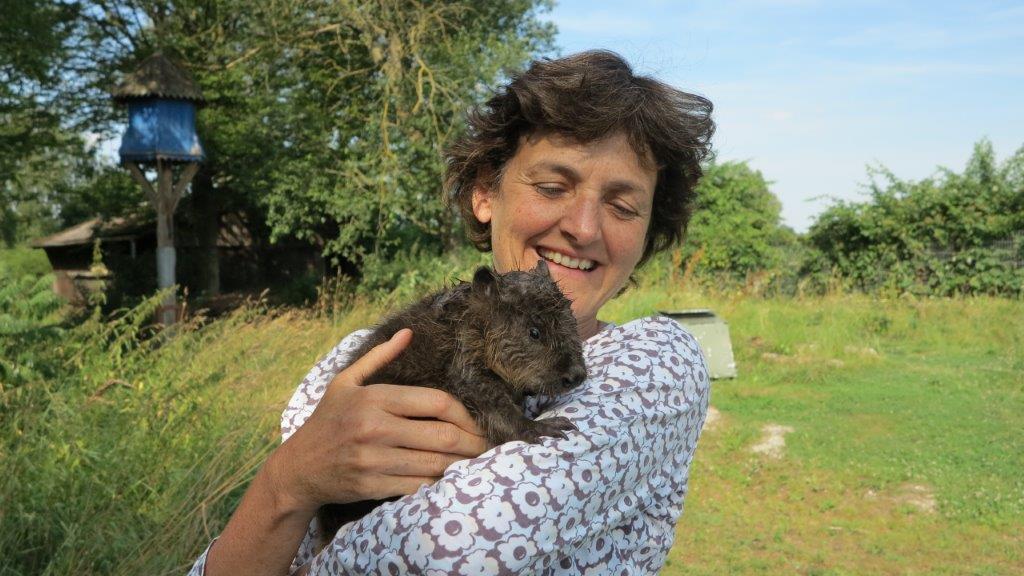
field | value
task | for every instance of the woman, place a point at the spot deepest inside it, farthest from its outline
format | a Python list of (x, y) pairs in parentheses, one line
[(591, 168)]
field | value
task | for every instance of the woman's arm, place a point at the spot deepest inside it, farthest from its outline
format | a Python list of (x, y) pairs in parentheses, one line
[(608, 494), (359, 443)]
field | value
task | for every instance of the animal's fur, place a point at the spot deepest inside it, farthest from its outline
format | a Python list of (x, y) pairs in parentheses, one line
[(488, 343)]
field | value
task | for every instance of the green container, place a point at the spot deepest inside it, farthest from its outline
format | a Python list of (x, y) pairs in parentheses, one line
[(712, 333)]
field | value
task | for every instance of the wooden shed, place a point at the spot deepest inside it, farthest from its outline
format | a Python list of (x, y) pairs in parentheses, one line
[(248, 264)]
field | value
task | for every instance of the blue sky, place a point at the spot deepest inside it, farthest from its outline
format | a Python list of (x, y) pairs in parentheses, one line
[(812, 92)]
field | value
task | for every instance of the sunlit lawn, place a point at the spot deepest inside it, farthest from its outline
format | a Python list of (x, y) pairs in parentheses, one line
[(906, 454)]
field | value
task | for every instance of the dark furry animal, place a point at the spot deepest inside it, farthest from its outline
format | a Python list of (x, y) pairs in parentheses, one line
[(488, 343)]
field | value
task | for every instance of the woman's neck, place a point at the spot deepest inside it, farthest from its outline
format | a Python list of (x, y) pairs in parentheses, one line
[(589, 327)]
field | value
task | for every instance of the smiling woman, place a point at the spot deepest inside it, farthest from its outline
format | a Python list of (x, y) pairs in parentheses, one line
[(579, 159), (582, 164), (585, 208)]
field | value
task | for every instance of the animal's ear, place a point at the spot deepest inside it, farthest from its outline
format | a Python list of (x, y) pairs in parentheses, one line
[(542, 268), (484, 281)]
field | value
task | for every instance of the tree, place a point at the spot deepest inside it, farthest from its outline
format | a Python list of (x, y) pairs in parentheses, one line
[(326, 118), (33, 51), (737, 222)]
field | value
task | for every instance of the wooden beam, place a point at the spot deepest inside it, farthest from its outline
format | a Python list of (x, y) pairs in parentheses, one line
[(186, 176), (139, 177)]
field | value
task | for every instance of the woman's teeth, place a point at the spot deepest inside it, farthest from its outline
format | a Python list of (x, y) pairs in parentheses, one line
[(563, 260)]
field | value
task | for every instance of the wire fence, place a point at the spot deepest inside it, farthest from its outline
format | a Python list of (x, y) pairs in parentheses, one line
[(1008, 251)]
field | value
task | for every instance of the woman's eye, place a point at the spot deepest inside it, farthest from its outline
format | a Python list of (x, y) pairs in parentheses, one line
[(535, 333), (625, 211), (549, 190)]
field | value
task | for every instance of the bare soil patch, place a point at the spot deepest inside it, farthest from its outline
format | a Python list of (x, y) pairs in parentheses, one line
[(918, 496), (773, 441)]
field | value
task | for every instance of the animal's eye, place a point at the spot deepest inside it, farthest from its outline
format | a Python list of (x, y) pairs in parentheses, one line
[(535, 333)]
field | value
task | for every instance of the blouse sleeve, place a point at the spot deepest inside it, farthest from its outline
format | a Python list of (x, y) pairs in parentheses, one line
[(613, 488)]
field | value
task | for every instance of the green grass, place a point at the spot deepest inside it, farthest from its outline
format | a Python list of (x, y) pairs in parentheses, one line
[(132, 455), (885, 398)]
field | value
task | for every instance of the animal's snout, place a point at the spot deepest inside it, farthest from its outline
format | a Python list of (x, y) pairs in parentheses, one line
[(574, 376)]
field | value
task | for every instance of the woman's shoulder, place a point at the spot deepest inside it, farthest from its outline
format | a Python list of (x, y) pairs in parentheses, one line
[(312, 388), (649, 334)]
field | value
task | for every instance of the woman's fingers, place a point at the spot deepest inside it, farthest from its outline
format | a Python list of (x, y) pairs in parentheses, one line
[(375, 359), (416, 463), (419, 402), (436, 436)]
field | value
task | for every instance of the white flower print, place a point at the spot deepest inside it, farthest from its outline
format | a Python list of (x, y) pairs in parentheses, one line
[(453, 530), (570, 522), (478, 564), (392, 565), (574, 444), (545, 533), (477, 484), (532, 500), (545, 460), (559, 486), (418, 547), (619, 373), (511, 466), (516, 551), (411, 515), (496, 514), (585, 475)]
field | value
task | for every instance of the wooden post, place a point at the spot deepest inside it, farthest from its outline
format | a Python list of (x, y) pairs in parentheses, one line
[(165, 200), (165, 254)]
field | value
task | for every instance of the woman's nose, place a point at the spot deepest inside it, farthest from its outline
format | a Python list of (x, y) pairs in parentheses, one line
[(581, 220)]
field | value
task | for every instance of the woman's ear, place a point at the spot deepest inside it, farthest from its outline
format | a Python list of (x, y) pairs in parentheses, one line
[(482, 202)]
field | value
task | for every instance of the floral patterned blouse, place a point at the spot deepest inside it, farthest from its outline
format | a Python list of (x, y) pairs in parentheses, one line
[(603, 501)]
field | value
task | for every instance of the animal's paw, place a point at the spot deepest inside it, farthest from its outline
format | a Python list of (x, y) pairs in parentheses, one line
[(554, 427)]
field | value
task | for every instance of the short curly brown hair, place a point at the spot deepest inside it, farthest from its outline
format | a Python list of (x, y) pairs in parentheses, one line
[(587, 97)]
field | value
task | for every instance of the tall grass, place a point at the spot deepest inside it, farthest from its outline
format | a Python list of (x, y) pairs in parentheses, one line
[(132, 454)]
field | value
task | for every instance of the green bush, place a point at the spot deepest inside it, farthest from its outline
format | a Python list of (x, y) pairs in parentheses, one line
[(952, 234), (18, 262)]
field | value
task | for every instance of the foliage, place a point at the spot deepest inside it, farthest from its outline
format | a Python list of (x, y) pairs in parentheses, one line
[(33, 49), (736, 232), (18, 262), (28, 325), (325, 120), (387, 85), (949, 234)]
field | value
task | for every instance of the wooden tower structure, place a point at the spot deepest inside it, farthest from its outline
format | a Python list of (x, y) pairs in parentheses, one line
[(161, 137)]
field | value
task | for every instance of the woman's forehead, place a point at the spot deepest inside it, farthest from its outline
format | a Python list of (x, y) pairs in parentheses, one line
[(641, 152), (565, 156)]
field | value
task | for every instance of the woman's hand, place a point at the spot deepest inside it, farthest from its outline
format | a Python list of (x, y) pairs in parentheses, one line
[(361, 442)]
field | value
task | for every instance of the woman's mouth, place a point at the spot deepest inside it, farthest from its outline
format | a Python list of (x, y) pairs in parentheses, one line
[(566, 261)]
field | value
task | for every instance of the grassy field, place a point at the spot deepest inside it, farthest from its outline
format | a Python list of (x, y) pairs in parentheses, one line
[(903, 454), (905, 450)]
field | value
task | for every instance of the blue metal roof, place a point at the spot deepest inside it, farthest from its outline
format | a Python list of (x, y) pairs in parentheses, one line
[(161, 129)]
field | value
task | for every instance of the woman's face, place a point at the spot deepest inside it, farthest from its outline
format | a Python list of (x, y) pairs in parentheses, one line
[(585, 208)]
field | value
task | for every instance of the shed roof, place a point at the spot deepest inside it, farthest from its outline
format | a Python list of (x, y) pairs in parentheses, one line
[(86, 232), (234, 232), (158, 77)]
